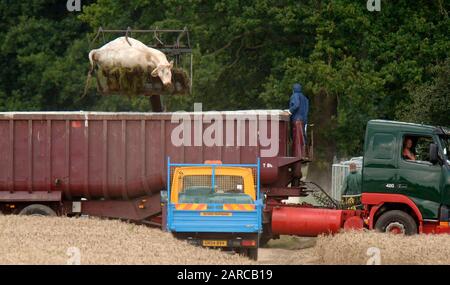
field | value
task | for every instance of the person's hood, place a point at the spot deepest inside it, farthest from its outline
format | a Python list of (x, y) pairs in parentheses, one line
[(297, 88)]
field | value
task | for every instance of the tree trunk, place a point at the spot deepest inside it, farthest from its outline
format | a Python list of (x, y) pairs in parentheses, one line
[(323, 116)]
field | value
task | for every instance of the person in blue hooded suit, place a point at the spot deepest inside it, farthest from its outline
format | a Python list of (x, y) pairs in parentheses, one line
[(299, 108), (299, 105)]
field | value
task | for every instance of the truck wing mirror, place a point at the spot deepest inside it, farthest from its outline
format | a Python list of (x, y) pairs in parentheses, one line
[(164, 197), (434, 153)]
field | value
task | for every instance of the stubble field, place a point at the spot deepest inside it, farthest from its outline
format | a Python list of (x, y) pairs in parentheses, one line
[(41, 240)]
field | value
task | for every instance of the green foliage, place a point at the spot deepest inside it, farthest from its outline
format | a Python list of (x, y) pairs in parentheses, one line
[(355, 65), (430, 102)]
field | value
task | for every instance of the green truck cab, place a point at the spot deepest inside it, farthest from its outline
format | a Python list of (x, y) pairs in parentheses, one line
[(406, 193)]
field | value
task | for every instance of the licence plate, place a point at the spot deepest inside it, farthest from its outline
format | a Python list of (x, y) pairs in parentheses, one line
[(215, 243), (215, 214)]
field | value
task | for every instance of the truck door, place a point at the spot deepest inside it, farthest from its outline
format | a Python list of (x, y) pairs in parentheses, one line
[(445, 155), (380, 163), (418, 178)]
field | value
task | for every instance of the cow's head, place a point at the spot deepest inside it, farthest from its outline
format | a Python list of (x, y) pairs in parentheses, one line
[(164, 72)]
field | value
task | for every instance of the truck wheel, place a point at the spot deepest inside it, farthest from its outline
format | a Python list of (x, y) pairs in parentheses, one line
[(396, 222), (37, 210), (263, 240), (266, 234), (252, 253)]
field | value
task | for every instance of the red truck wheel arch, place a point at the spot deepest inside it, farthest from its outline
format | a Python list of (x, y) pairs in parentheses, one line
[(376, 200)]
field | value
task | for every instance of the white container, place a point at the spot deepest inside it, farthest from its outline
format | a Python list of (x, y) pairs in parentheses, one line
[(339, 172)]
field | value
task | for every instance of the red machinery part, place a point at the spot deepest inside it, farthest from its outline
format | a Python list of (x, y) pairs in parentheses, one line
[(309, 222), (354, 223)]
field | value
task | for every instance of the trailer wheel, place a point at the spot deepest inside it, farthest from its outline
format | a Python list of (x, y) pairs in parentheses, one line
[(396, 222), (37, 210)]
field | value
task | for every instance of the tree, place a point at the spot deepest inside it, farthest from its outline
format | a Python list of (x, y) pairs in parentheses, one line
[(430, 102), (355, 65)]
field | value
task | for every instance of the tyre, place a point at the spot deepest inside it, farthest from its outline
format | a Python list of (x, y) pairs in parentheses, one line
[(252, 253), (263, 240), (266, 234), (37, 210), (396, 222)]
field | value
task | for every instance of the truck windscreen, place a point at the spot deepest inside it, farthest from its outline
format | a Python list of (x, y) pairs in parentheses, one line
[(223, 183), (228, 189)]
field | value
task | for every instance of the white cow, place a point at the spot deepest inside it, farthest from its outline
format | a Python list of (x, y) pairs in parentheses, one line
[(119, 53)]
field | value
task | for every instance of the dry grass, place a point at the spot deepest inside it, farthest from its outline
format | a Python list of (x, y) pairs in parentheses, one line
[(35, 240), (133, 82), (352, 247)]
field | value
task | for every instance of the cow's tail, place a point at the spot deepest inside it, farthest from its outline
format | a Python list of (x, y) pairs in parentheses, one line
[(89, 76), (91, 58)]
